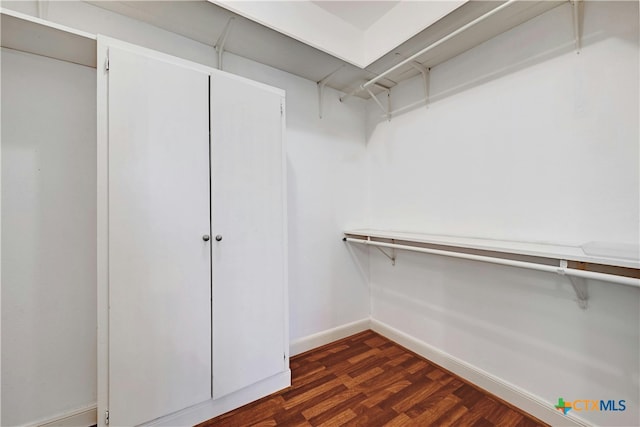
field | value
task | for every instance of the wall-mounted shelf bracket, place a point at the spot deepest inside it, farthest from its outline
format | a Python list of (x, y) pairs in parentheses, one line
[(582, 293), (43, 9), (576, 8), (321, 84), (391, 257), (425, 78), (222, 40), (579, 285), (387, 110)]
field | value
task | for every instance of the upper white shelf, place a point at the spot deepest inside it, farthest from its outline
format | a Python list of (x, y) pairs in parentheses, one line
[(28, 34), (611, 254)]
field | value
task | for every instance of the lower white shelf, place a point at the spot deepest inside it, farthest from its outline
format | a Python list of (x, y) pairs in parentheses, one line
[(564, 260), (603, 253)]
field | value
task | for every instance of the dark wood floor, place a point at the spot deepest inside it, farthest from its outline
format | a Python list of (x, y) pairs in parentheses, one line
[(367, 380)]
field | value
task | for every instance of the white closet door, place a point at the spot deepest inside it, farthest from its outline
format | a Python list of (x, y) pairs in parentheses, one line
[(249, 341), (159, 263)]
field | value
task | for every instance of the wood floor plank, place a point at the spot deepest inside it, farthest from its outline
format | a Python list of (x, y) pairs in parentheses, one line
[(345, 405), (316, 394), (448, 418), (435, 409), (399, 421), (504, 416), (444, 392), (350, 381), (372, 417), (484, 406), (381, 395), (367, 380), (311, 388), (259, 412), (329, 404), (326, 352), (366, 365), (408, 397), (375, 341), (305, 369), (339, 419), (469, 395), (361, 356)]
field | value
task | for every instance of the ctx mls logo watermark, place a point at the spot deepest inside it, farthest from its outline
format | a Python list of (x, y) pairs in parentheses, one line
[(590, 405)]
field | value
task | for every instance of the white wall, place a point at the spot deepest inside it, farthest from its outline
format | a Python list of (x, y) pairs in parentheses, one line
[(326, 183), (523, 140), (49, 237)]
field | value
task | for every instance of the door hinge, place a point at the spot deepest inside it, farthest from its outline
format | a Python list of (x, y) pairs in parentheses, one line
[(106, 64), (106, 417), (281, 110)]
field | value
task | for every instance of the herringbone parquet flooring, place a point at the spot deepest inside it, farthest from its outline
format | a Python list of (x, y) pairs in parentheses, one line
[(367, 380)]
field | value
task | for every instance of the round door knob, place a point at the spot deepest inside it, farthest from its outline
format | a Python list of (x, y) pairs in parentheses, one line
[(206, 237), (218, 237)]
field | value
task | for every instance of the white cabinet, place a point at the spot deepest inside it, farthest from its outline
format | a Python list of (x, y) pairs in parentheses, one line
[(191, 237)]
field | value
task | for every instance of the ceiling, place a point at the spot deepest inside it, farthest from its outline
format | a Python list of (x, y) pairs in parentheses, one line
[(329, 25), (360, 14), (204, 21)]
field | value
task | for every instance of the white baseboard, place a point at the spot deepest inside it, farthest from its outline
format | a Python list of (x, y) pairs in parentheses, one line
[(516, 396), (81, 417), (328, 336), (212, 408)]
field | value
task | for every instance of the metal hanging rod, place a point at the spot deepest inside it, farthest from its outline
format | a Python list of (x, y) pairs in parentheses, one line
[(413, 57), (561, 269)]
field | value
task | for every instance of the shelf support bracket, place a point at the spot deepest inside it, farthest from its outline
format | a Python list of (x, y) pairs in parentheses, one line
[(386, 111), (391, 257), (222, 40), (579, 285), (43, 9), (425, 79), (576, 7), (321, 84), (582, 292)]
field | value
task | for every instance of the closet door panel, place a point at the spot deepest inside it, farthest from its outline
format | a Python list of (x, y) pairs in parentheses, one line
[(249, 341), (159, 263)]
